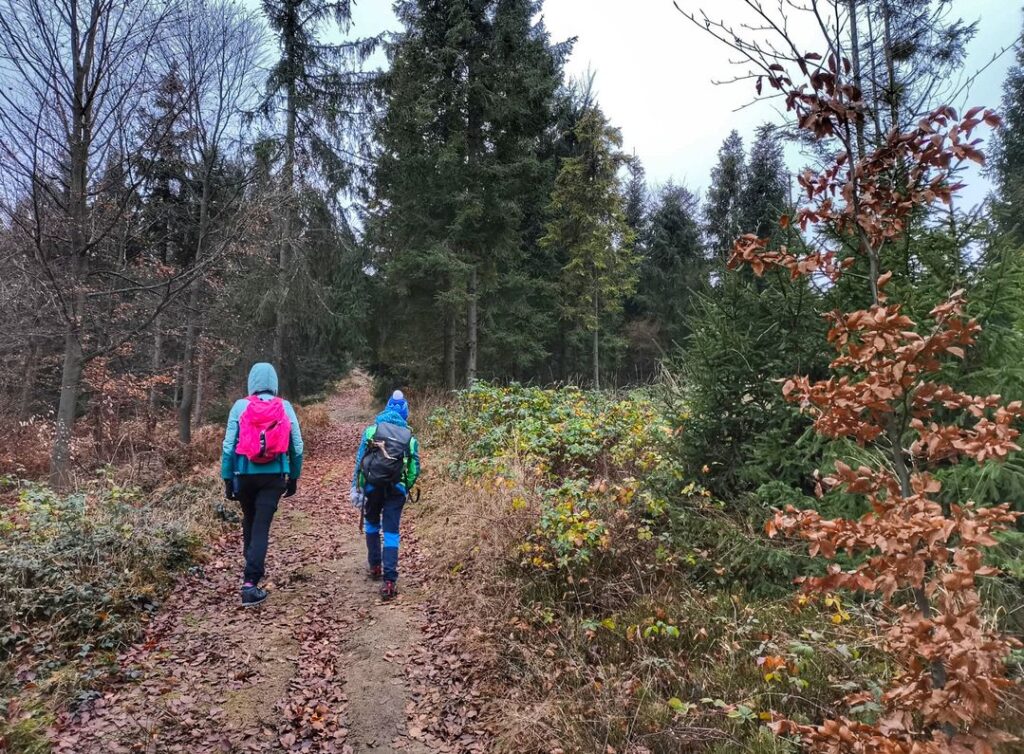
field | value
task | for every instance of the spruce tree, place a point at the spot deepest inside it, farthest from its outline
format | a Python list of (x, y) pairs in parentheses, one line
[(743, 334), (164, 190), (674, 263), (637, 199), (162, 171), (461, 178), (763, 198), (721, 210), (587, 223), (313, 92), (1008, 162)]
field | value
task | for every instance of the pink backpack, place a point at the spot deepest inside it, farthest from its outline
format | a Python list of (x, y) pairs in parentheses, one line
[(264, 430)]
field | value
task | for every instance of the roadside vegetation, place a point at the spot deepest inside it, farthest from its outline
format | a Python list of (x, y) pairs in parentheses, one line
[(80, 575), (625, 605), (793, 520)]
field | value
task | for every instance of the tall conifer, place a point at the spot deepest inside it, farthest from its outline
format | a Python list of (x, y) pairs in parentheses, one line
[(721, 211), (588, 223), (461, 175)]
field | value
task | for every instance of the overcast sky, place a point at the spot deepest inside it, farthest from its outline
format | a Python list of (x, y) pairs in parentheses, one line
[(655, 73)]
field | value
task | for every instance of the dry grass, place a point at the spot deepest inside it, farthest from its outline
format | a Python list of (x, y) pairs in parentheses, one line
[(553, 683), (313, 418), (470, 535), (565, 661), (26, 450)]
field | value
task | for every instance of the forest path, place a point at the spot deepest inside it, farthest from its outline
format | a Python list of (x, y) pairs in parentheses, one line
[(322, 666)]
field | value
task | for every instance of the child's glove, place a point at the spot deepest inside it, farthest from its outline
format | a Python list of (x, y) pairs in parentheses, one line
[(229, 489), (356, 496), (291, 488)]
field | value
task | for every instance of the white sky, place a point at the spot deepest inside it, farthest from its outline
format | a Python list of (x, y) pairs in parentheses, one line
[(655, 69)]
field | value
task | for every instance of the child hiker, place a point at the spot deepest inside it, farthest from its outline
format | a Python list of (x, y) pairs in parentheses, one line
[(387, 465), (261, 462)]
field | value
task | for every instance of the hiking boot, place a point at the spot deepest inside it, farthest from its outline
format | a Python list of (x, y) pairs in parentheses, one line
[(376, 573), (253, 595), (389, 591)]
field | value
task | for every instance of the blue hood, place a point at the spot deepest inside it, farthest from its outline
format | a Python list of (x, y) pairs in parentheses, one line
[(391, 417), (262, 377)]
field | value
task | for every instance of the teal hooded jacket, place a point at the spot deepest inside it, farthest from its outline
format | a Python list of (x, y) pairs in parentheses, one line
[(263, 383)]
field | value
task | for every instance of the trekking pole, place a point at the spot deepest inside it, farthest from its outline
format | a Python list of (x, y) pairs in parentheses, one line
[(362, 513)]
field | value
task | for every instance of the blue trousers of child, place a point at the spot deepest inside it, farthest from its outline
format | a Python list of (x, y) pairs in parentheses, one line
[(383, 513)]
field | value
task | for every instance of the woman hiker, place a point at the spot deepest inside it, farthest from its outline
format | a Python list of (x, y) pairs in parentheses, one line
[(387, 465), (261, 462)]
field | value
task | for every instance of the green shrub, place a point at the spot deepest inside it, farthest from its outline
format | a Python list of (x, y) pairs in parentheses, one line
[(77, 572), (645, 607)]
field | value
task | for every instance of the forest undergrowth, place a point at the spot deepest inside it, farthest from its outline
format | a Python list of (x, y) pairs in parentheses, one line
[(83, 572), (624, 608)]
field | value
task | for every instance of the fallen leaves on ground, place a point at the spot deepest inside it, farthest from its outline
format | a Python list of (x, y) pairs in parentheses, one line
[(211, 676)]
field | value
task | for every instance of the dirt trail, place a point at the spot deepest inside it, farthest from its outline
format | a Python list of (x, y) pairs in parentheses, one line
[(323, 666)]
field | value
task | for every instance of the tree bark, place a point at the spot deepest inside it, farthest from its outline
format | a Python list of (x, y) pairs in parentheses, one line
[(188, 391), (197, 410), (890, 67), (474, 149), (82, 57), (596, 343), (471, 328), (449, 351), (858, 80), (156, 361), (166, 253), (874, 78), (192, 328), (28, 378), (289, 225), (176, 397), (67, 408)]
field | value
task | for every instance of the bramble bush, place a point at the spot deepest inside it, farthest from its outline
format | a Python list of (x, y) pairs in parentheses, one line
[(77, 574), (644, 609), (578, 452), (609, 485)]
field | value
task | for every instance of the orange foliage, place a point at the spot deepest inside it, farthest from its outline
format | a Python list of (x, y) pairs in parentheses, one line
[(921, 558)]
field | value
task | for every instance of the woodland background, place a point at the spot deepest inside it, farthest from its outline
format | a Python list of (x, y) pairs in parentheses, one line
[(187, 187)]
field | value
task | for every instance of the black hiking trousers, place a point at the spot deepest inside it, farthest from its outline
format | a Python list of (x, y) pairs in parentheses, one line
[(259, 495)]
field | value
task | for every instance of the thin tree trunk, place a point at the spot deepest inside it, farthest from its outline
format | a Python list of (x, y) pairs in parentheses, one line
[(563, 351), (471, 329), (893, 432), (857, 78), (70, 386), (156, 361), (28, 378), (197, 410), (874, 78), (596, 344), (474, 149), (188, 391), (192, 328), (78, 214), (284, 259), (176, 398), (449, 350), (890, 67), (166, 253)]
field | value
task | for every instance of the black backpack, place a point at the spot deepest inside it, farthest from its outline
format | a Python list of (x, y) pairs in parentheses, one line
[(384, 462)]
